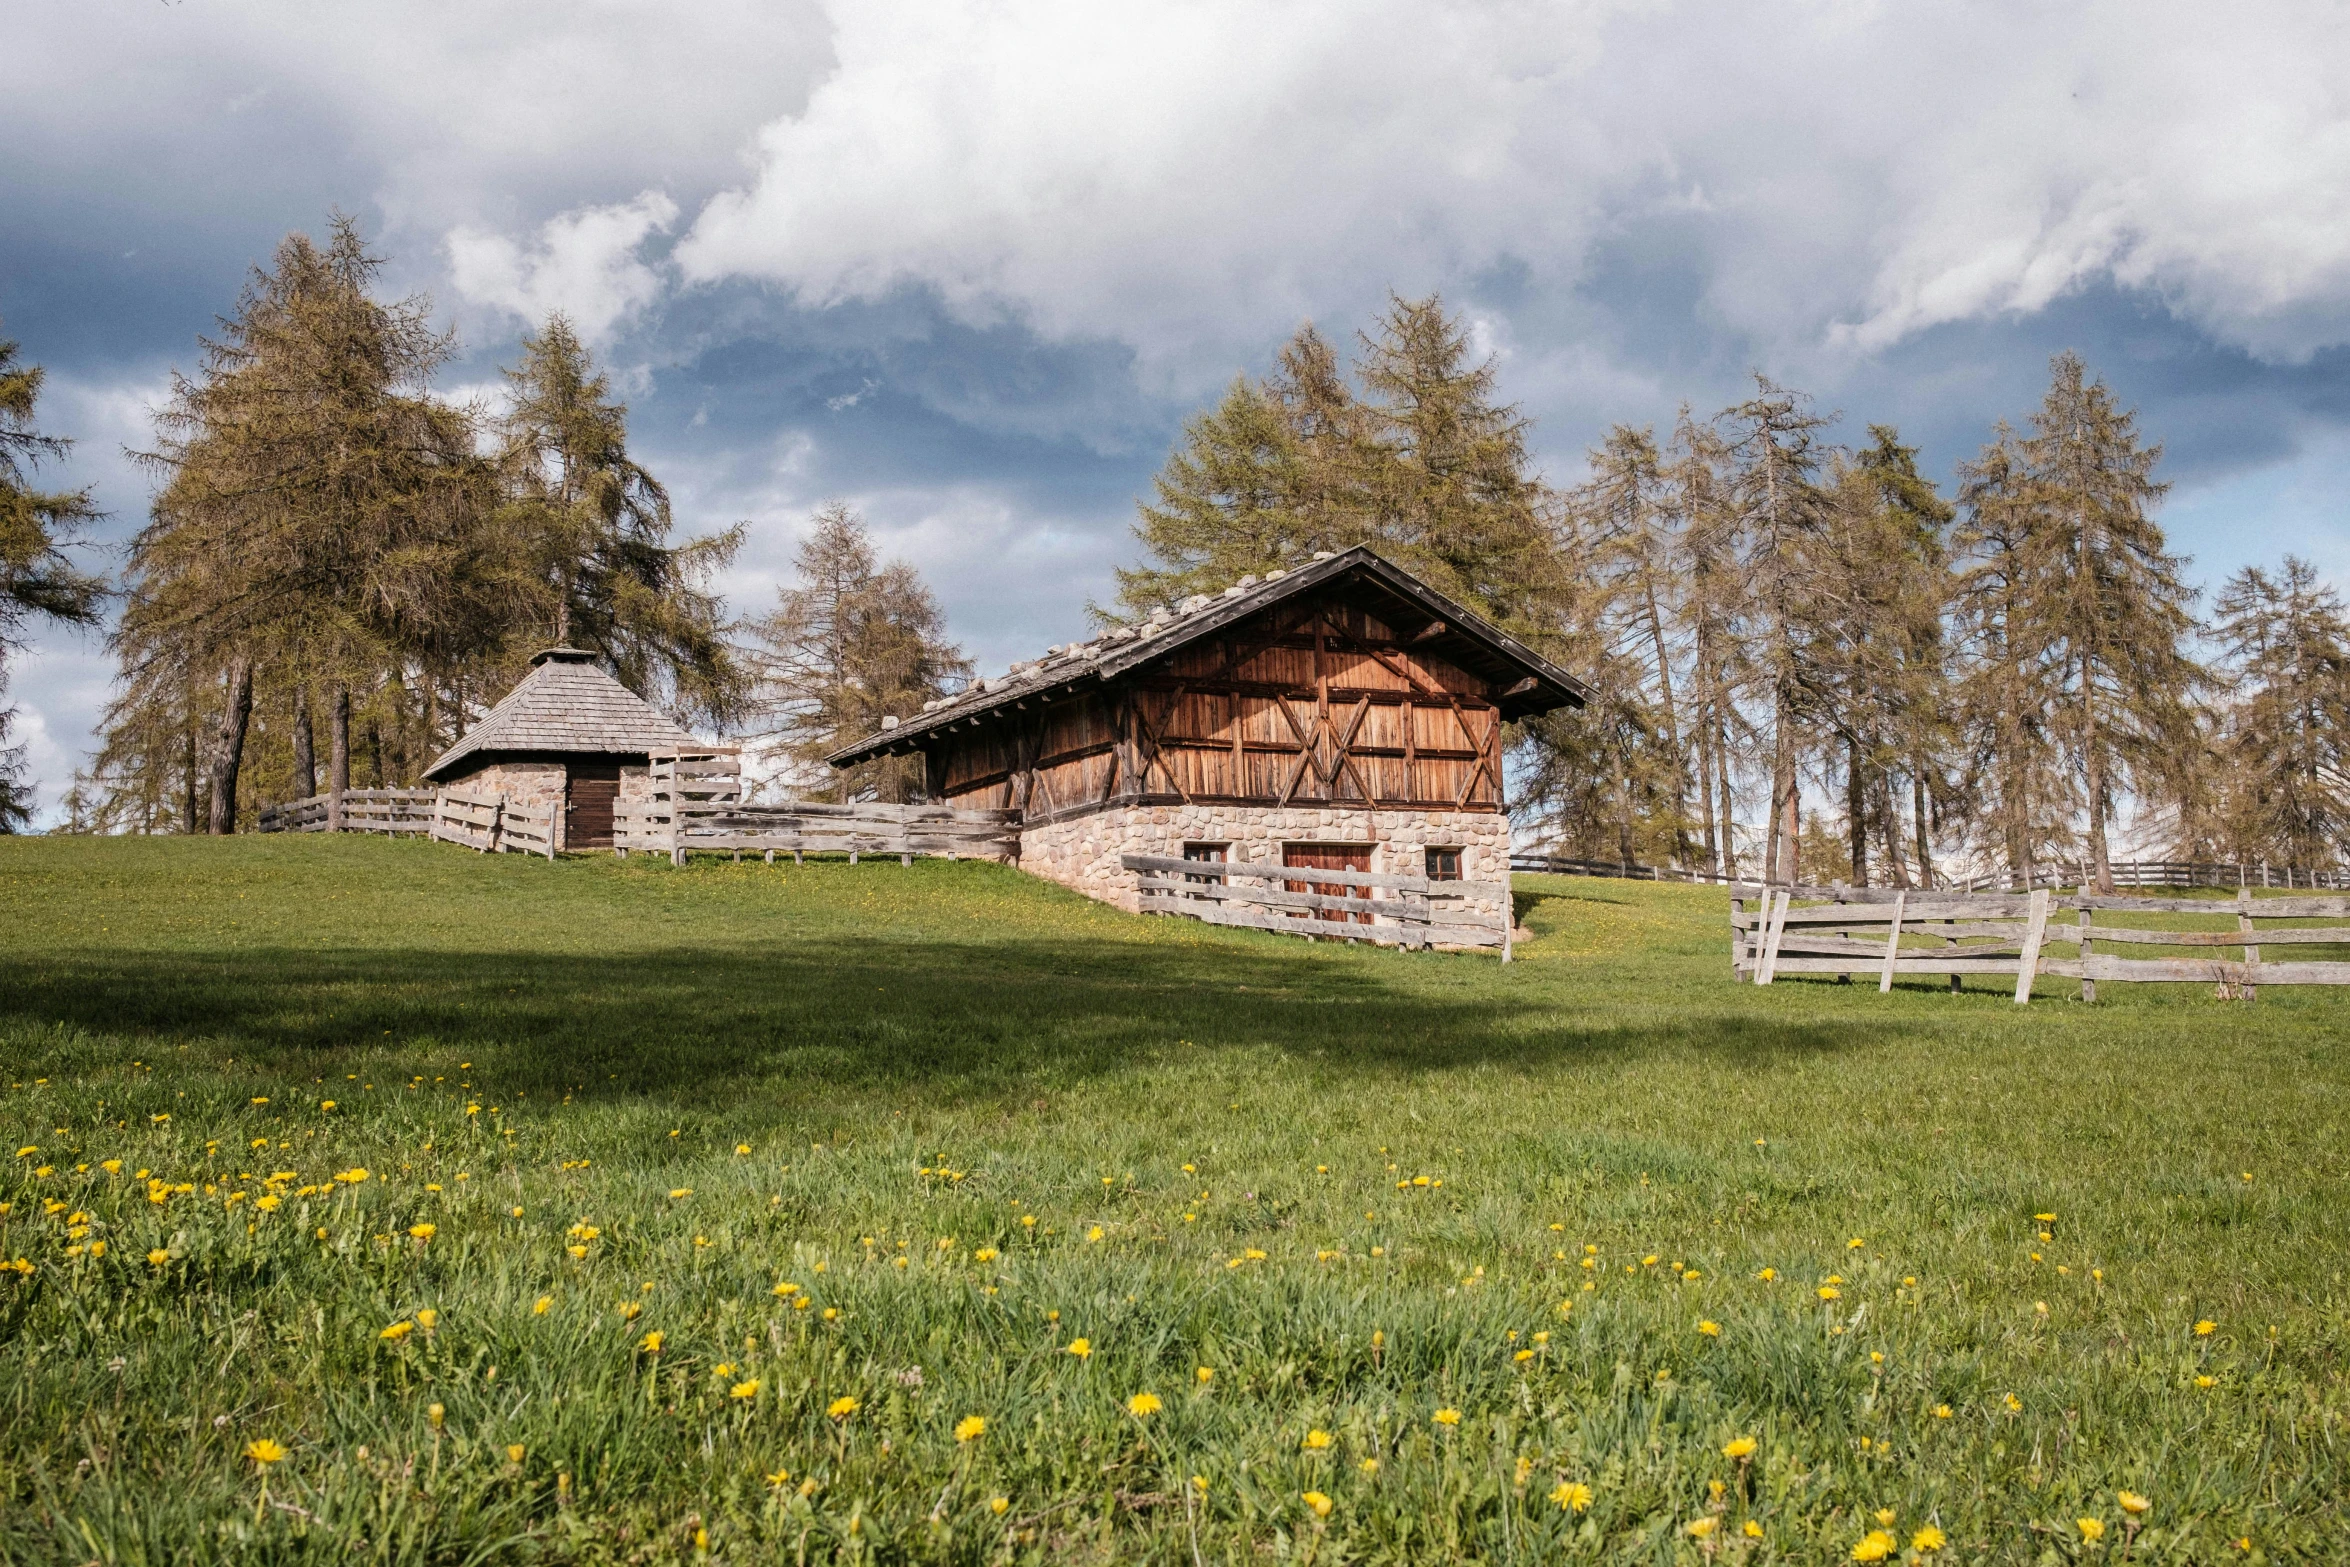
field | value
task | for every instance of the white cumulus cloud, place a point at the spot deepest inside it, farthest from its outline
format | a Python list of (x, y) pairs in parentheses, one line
[(1833, 172), (585, 263)]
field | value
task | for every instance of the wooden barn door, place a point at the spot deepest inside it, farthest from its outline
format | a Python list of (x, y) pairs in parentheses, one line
[(1330, 857), (593, 791)]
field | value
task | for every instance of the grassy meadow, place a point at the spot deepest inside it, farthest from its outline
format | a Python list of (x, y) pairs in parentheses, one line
[(378, 1202)]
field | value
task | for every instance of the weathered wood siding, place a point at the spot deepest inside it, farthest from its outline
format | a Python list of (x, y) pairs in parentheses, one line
[(1310, 703)]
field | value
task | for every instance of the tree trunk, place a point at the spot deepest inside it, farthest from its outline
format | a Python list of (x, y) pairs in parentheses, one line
[(1791, 832), (1777, 853), (305, 749), (1889, 824), (1623, 814), (1925, 844), (1726, 805), (1856, 812), (189, 820), (2094, 755), (1705, 797), (1664, 681), (338, 757), (228, 754)]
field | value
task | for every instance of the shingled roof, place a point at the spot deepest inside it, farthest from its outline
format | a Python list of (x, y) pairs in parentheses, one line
[(566, 704), (1394, 594)]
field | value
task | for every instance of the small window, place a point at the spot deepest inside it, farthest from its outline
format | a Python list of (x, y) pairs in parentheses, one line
[(1207, 854), (1444, 865)]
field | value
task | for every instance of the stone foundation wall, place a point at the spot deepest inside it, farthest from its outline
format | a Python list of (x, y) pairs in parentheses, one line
[(1083, 853), (524, 783)]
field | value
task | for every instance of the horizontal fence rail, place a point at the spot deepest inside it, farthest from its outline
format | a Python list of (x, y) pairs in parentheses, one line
[(1401, 911), (695, 805), (362, 810), (2055, 876), (1892, 934)]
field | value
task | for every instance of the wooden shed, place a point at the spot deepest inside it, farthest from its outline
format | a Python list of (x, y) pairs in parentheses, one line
[(568, 733), (1343, 716)]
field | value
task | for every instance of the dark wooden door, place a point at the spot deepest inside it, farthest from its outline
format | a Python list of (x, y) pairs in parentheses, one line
[(1330, 857), (587, 804)]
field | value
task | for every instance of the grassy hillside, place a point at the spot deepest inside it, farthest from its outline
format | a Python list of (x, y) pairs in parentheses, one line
[(607, 1112)]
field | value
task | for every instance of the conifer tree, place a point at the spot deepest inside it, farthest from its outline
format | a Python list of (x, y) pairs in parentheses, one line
[(38, 581), (318, 509), (2284, 734), (588, 530), (2108, 604), (1776, 442), (854, 641)]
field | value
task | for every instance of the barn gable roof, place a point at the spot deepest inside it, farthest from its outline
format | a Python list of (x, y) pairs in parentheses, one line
[(568, 704), (1534, 684)]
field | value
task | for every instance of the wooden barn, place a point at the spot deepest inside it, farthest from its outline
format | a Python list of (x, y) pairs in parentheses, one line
[(570, 734), (1341, 716)]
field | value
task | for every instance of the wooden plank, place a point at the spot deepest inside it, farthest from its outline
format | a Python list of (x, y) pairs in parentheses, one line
[(1892, 943), (2030, 961), (2088, 985), (1397, 908), (1258, 871), (1907, 966), (1771, 939), (2301, 973)]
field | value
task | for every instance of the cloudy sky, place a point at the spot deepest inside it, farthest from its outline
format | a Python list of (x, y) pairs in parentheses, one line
[(969, 265)]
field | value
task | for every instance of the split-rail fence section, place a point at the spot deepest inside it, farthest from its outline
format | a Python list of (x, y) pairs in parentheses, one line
[(1890, 934)]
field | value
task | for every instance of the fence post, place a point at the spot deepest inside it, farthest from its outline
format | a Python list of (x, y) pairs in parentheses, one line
[(1767, 965), (1892, 942), (2088, 981), (2244, 924), (2029, 964)]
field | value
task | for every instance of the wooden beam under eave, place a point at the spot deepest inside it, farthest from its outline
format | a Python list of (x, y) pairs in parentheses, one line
[(1430, 632)]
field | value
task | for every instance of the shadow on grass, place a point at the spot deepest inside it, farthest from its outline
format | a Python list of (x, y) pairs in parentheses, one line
[(935, 1018)]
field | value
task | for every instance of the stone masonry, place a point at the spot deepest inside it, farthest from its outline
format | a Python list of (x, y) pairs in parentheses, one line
[(1083, 853)]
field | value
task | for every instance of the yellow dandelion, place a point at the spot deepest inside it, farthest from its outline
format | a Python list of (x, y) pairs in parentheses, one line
[(397, 1331), (1830, 1292), (436, 1414), (2132, 1503), (1928, 1540), (1317, 1438), (1740, 1448), (2206, 1328), (2015, 1405), (1941, 1411), (1701, 1528), (1448, 1417), (1573, 1496), (1319, 1503), (744, 1391), (422, 1232), (970, 1428), (1369, 1466), (1875, 1546), (1000, 1506), (841, 1408), (1081, 1348), (543, 1305), (1710, 1329), (2092, 1529), (651, 1342), (265, 1452), (1203, 1375), (158, 1257), (2207, 1381), (984, 1254), (514, 1452), (1144, 1404)]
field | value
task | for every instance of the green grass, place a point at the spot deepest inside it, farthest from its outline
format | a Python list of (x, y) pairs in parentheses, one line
[(919, 1061)]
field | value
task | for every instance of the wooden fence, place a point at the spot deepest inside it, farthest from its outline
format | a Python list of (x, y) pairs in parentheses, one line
[(493, 824), (1890, 935), (363, 810), (2060, 874), (1402, 911), (696, 806)]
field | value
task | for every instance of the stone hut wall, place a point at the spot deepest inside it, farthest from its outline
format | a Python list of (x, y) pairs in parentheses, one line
[(1083, 853)]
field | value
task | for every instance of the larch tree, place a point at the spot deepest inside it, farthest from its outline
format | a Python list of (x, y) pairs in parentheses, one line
[(318, 509), (1880, 588), (2284, 731), (1775, 440), (588, 531), (1711, 608), (2014, 788), (39, 582), (2107, 601), (852, 642)]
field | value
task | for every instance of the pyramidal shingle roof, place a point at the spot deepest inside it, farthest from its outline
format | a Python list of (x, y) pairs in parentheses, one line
[(566, 704)]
